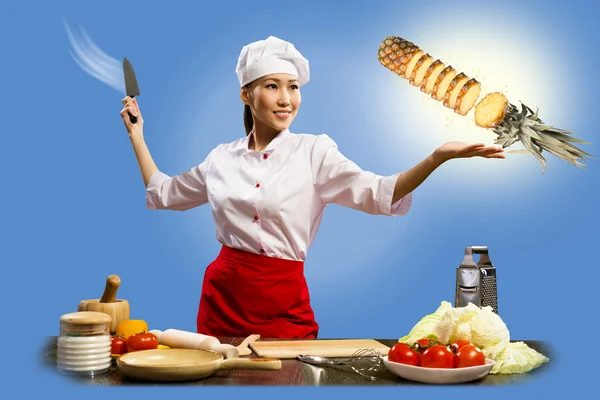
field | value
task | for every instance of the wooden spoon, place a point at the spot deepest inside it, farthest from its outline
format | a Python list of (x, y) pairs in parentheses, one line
[(110, 291)]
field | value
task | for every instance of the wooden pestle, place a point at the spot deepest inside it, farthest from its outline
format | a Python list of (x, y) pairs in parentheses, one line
[(110, 291)]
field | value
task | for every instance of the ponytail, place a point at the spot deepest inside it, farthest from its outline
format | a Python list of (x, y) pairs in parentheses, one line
[(248, 121)]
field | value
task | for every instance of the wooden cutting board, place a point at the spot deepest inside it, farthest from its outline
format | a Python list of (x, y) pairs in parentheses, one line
[(315, 347)]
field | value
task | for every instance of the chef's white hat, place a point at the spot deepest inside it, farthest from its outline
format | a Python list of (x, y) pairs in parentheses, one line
[(271, 56)]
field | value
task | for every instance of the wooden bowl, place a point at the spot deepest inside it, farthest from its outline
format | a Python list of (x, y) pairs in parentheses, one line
[(108, 304), (118, 310)]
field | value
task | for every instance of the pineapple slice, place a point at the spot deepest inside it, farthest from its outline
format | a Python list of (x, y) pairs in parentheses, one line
[(414, 58), (420, 69), (490, 111), (393, 54), (512, 124), (442, 82), (454, 89), (431, 75), (467, 97), (402, 61)]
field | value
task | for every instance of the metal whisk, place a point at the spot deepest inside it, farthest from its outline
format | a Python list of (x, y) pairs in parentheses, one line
[(366, 362)]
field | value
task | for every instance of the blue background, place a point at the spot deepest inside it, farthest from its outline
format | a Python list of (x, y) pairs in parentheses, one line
[(73, 207)]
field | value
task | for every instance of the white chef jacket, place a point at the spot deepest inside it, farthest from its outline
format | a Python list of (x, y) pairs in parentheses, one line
[(271, 202)]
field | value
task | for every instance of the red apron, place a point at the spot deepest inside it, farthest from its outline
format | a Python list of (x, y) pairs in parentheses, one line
[(245, 293)]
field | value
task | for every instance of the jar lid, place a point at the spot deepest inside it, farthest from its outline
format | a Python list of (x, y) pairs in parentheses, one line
[(86, 318)]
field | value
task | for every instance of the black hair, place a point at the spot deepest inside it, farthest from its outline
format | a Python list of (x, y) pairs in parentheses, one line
[(248, 120)]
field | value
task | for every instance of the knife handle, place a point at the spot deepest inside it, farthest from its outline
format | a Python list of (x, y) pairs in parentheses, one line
[(132, 119)]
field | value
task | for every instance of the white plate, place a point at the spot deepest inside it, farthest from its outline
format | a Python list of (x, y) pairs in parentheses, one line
[(439, 375)]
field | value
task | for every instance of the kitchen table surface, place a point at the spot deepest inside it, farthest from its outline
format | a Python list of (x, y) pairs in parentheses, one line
[(292, 372)]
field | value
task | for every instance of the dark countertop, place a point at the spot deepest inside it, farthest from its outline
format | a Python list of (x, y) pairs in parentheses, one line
[(292, 372)]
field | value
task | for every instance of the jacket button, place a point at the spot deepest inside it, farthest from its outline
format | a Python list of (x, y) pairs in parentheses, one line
[(256, 217), (262, 251), (258, 185), (265, 156)]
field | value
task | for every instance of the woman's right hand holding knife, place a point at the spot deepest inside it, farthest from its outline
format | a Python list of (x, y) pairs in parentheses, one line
[(136, 135), (130, 107)]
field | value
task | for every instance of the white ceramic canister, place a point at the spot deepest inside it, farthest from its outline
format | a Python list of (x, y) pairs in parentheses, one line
[(83, 347)]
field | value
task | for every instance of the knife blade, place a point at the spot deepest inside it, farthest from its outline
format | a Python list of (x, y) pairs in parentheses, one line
[(131, 84)]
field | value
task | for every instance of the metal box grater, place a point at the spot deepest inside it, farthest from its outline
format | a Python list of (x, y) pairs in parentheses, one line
[(476, 282)]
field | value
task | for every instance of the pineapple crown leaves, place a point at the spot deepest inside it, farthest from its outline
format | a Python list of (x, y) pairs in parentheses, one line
[(536, 136)]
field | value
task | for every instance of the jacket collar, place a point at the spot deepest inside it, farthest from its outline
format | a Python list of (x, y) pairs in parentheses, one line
[(272, 145)]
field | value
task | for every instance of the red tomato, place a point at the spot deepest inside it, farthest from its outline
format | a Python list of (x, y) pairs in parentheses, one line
[(438, 356), (118, 345), (469, 356), (404, 354), (142, 341), (457, 344), (425, 343)]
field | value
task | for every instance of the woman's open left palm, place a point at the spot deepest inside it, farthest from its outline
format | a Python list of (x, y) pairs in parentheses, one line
[(452, 150)]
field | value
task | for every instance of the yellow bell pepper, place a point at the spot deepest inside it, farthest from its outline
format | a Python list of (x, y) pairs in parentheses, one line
[(131, 327)]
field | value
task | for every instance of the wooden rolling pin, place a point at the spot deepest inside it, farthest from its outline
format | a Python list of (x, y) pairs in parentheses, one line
[(188, 340)]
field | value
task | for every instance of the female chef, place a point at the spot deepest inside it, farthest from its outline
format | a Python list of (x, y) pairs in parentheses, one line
[(267, 192)]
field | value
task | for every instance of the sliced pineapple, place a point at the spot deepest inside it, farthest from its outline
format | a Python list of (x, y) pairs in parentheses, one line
[(442, 82), (490, 111), (511, 124), (431, 75), (420, 69), (402, 61), (414, 58), (467, 97), (454, 89)]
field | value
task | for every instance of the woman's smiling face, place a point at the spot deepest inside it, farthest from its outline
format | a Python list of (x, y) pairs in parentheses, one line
[(274, 100)]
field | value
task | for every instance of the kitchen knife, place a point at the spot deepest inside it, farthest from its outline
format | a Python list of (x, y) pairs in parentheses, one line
[(131, 85)]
